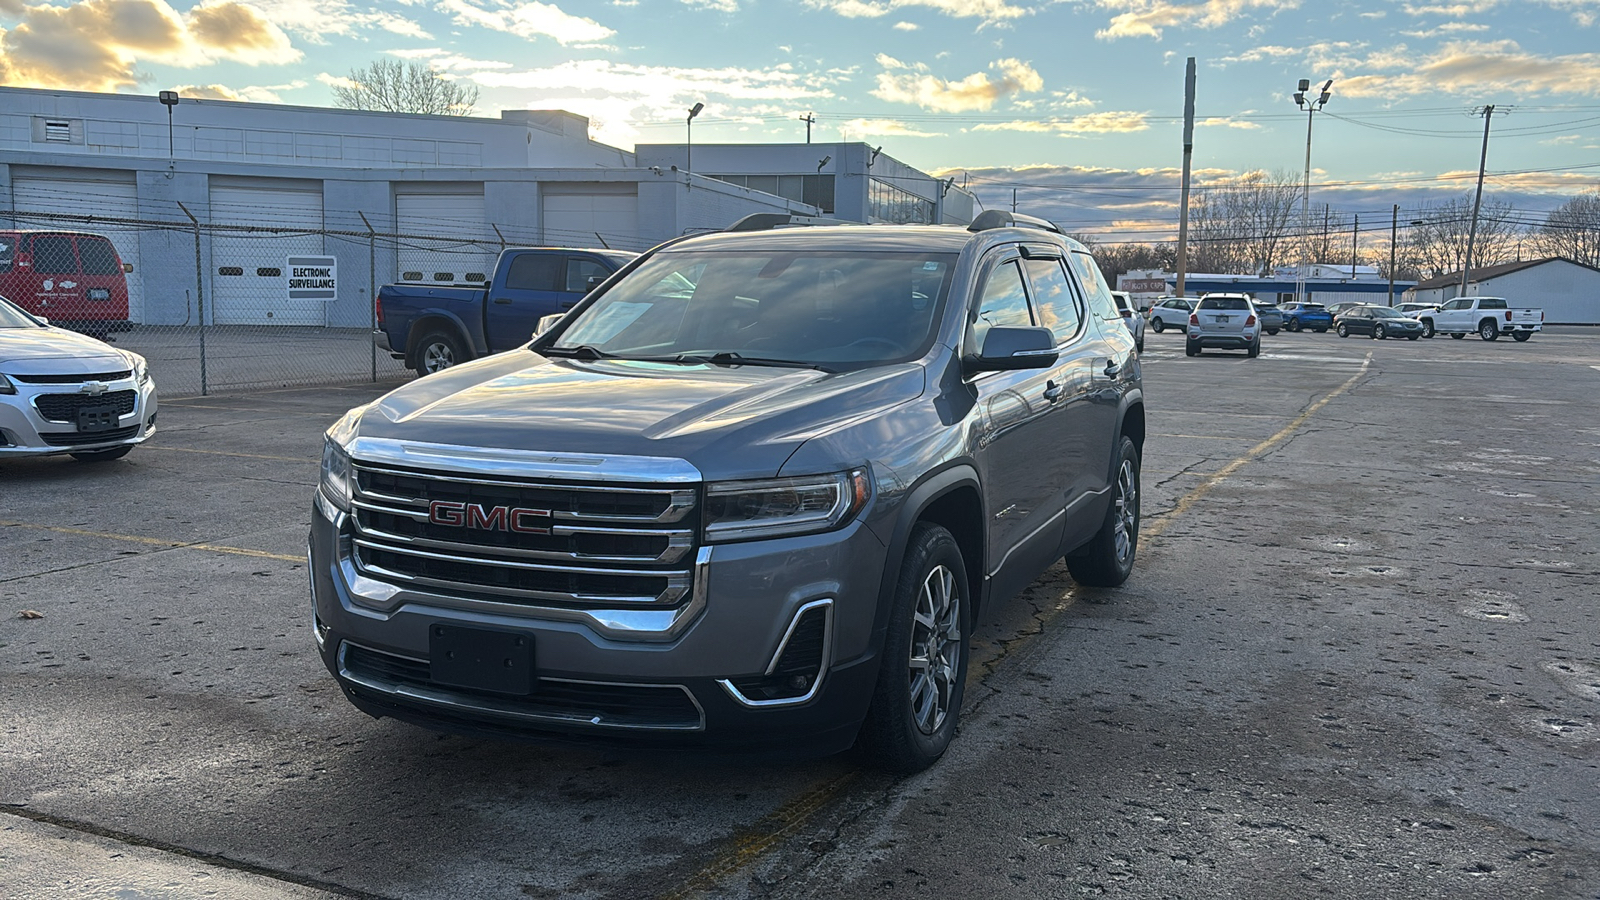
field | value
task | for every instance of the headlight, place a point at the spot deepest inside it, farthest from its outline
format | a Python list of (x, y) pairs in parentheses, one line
[(336, 474), (141, 372), (747, 510), (6, 387)]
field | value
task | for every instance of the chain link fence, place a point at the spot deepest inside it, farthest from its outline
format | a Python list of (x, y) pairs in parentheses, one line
[(217, 306)]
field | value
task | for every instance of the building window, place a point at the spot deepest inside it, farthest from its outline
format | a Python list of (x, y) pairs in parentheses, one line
[(814, 190), (889, 204)]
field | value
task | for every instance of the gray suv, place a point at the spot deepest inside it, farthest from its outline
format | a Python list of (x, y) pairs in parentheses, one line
[(754, 490)]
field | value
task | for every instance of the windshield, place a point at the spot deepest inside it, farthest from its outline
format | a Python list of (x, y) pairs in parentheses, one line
[(12, 317), (1384, 312), (826, 308)]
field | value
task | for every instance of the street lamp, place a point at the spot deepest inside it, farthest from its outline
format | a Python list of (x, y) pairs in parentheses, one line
[(169, 99), (1310, 106), (688, 160)]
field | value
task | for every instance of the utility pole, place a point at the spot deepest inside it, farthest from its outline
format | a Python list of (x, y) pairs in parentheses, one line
[(1355, 234), (1394, 234), (1477, 200), (1188, 155), (808, 118), (1013, 199)]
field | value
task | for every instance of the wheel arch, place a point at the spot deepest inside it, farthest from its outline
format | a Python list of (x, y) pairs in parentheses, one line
[(431, 321), (953, 499)]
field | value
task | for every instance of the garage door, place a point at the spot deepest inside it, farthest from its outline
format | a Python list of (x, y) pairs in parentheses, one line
[(249, 270), (445, 237), (597, 215), (90, 192)]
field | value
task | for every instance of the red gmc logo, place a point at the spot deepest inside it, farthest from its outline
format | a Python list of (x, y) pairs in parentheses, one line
[(489, 518)]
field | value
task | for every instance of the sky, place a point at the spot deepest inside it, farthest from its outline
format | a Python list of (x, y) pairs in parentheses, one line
[(1074, 105)]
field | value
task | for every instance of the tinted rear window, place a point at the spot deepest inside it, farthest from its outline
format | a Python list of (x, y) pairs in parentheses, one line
[(97, 256), (1491, 303), (1224, 303), (53, 255)]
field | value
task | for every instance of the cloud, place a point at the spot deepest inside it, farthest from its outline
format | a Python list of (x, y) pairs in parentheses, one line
[(905, 26), (1480, 69), (1446, 28), (1089, 123), (96, 45), (1147, 18), (445, 61), (530, 19), (858, 128), (314, 20), (990, 12), (722, 6), (250, 93), (974, 92), (1227, 122)]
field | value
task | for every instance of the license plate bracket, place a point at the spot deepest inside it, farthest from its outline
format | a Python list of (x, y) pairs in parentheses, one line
[(97, 418), (481, 659)]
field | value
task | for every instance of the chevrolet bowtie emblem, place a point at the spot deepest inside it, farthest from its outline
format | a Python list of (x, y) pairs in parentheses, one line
[(94, 388)]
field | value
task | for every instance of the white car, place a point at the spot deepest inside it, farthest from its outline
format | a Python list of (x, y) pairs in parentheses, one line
[(1226, 322), (62, 392)]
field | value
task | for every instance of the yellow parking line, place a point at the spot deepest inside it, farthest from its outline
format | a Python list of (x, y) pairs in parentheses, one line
[(751, 843), (155, 542), (298, 459)]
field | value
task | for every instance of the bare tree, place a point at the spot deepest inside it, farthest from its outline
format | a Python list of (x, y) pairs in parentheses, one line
[(1120, 259), (390, 85), (1438, 246), (1572, 230), (1243, 225)]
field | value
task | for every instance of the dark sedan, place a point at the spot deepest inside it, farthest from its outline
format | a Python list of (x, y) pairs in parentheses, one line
[(1376, 321)]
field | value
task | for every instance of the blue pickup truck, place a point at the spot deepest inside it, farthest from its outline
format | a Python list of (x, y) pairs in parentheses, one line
[(434, 327)]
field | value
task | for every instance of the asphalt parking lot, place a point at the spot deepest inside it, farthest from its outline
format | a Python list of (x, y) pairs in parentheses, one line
[(1356, 659)]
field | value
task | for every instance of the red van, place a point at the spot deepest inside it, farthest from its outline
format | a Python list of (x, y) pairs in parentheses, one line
[(74, 279)]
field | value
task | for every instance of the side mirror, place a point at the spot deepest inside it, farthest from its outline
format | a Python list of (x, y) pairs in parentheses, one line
[(546, 323), (127, 268), (42, 320), (1010, 347)]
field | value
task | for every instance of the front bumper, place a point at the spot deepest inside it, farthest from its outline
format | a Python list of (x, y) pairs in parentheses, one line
[(25, 430), (681, 678)]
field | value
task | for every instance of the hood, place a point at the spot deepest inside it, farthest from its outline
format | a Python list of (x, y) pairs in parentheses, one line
[(728, 421), (56, 351)]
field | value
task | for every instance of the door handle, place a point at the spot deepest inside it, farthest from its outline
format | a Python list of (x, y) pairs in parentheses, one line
[(1113, 368), (1052, 391), (503, 301)]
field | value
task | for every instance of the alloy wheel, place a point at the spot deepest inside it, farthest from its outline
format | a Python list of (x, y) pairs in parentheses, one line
[(935, 649)]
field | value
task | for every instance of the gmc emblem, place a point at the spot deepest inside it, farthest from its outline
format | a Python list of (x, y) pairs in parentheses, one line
[(489, 518)]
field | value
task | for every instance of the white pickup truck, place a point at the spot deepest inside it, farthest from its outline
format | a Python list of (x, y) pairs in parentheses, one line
[(1488, 317)]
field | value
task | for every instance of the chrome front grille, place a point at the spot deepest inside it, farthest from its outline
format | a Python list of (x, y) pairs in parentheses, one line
[(530, 541)]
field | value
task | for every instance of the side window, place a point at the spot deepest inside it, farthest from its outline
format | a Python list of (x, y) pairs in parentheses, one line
[(53, 255), (579, 271), (1492, 303), (1094, 285), (98, 257), (1053, 297), (535, 272), (1004, 302)]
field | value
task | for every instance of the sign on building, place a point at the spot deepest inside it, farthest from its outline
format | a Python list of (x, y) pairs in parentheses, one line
[(313, 278)]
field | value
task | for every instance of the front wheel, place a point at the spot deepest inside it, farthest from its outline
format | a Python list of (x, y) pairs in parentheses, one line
[(1292, 325), (924, 670), (1456, 335), (1322, 331), (1377, 333), (1412, 337), (1272, 331), (1487, 330), (1427, 328), (93, 456), (438, 351), (1344, 330), (1107, 560)]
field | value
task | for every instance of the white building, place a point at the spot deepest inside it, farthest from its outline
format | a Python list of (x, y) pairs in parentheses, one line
[(1567, 291), (207, 198)]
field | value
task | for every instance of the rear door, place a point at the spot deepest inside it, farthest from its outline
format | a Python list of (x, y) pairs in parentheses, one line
[(105, 285), (55, 289), (1107, 359), (534, 284)]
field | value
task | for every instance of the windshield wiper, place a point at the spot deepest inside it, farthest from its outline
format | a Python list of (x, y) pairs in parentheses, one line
[(582, 351), (732, 358)]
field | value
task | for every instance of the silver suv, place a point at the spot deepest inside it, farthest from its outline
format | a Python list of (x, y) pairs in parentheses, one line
[(754, 490), (1224, 321)]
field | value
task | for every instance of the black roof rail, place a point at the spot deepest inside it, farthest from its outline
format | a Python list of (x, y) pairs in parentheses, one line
[(769, 221), (1000, 218)]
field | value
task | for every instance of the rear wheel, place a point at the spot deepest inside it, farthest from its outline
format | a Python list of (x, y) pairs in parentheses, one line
[(1487, 330), (1272, 331), (1107, 560), (1412, 337), (1520, 336), (92, 456), (1322, 330), (1156, 325), (1292, 325), (1456, 335), (1190, 348), (1255, 349), (437, 351), (924, 670), (1377, 333)]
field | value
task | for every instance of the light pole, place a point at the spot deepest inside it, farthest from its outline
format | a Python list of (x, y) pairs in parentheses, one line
[(169, 99), (1311, 107), (688, 159)]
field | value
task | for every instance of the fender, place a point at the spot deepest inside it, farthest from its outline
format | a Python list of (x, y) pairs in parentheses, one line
[(936, 484), (435, 317)]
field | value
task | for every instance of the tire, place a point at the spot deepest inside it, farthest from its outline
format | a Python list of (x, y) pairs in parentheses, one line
[(1293, 325), (1521, 336), (94, 456), (923, 672), (1456, 335), (1377, 333), (1322, 331), (1255, 349), (437, 351), (1412, 337), (1107, 560), (1427, 328), (1272, 331), (1344, 330), (1190, 348), (1139, 345), (1157, 326), (1488, 330)]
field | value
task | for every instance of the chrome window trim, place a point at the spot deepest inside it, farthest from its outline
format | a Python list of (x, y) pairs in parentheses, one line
[(822, 670), (455, 703)]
